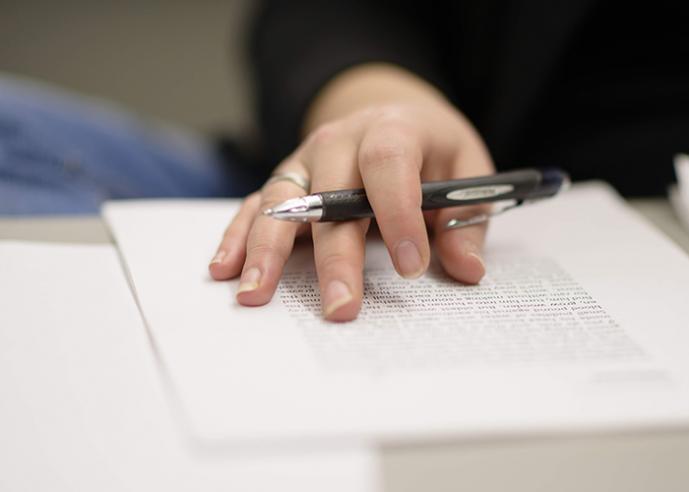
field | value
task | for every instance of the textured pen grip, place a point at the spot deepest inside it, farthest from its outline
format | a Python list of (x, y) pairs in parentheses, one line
[(345, 205)]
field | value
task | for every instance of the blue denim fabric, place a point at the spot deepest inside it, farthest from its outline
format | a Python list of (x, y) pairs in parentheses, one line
[(61, 153)]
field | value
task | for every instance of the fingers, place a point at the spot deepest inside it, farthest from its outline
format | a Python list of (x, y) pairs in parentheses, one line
[(386, 153), (229, 258), (390, 160), (460, 250), (269, 242), (338, 247), (339, 250)]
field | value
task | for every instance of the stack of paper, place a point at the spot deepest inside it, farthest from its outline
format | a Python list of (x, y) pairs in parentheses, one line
[(580, 324), (82, 406), (679, 195)]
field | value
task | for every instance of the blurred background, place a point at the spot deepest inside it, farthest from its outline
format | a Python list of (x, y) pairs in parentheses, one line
[(177, 60)]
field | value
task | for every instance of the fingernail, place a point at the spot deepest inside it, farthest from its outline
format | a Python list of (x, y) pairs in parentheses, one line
[(478, 270), (336, 295), (478, 259), (471, 249), (250, 280), (218, 257), (408, 259)]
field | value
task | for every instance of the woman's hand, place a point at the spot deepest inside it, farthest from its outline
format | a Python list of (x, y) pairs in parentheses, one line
[(388, 149)]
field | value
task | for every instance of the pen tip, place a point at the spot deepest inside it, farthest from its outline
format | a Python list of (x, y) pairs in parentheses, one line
[(268, 212)]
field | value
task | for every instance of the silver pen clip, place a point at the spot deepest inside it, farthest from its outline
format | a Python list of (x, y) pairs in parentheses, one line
[(481, 218), (553, 183)]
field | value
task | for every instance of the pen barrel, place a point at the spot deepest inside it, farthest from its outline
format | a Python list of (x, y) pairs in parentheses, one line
[(519, 185), (515, 185)]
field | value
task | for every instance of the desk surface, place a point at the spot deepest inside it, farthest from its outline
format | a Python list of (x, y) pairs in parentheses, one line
[(630, 462)]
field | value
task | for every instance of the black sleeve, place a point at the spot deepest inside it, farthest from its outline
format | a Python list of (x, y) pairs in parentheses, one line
[(299, 45)]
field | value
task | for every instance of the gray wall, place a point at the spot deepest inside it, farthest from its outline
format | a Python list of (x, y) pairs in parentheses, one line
[(181, 61)]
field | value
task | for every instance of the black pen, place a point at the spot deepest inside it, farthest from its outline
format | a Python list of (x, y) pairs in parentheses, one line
[(513, 187)]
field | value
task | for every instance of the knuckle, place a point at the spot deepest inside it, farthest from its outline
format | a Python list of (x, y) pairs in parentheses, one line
[(398, 128), (333, 261), (396, 144), (399, 216), (264, 249), (324, 135), (269, 200), (275, 194), (381, 154), (386, 113), (333, 184)]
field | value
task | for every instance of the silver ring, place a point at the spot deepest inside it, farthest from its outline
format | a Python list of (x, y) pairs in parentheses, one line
[(292, 177)]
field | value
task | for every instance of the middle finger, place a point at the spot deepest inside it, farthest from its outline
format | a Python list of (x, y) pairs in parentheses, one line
[(390, 160)]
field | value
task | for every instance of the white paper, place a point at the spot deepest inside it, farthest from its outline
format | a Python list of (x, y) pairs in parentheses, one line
[(82, 408), (616, 356), (527, 311)]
